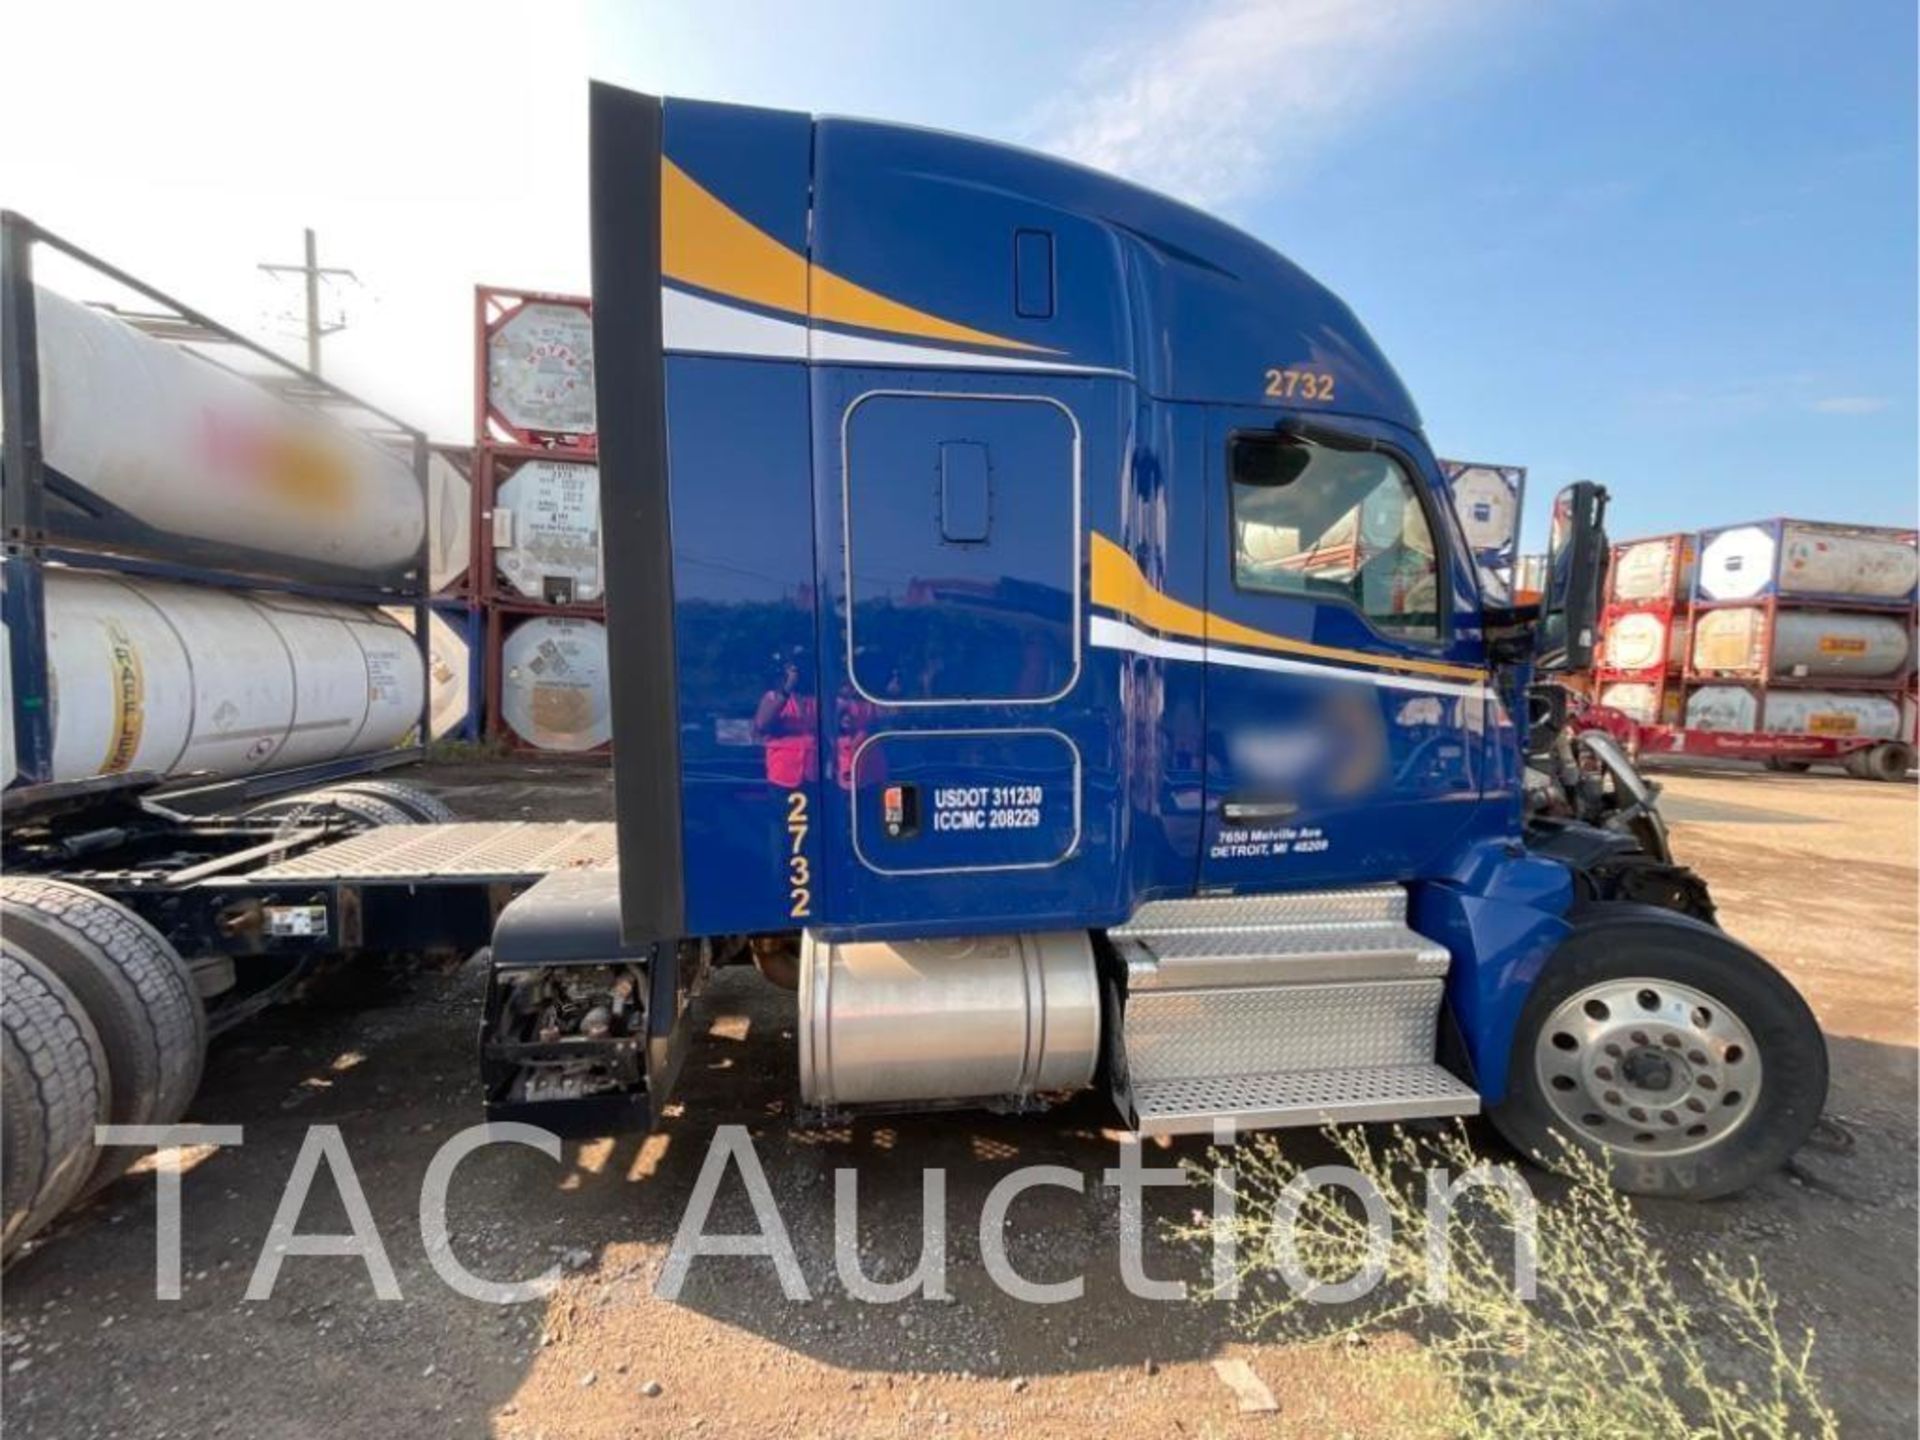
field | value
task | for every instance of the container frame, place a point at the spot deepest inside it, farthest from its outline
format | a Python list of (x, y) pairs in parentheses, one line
[(493, 307), (494, 465), (499, 618), (469, 617), (1776, 527), (47, 521)]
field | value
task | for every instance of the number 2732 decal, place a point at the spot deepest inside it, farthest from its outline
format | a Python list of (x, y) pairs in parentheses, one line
[(1299, 385), (799, 873)]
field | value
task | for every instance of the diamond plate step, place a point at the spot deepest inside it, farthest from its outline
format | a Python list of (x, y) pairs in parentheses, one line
[(1375, 950), (1249, 1030), (1272, 1010), (1300, 1097), (1363, 905)]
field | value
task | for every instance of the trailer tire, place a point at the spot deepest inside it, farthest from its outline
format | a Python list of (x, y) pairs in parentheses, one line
[(1888, 761), (359, 811), (425, 807), (1704, 1115), (134, 987), (53, 1090), (1782, 766)]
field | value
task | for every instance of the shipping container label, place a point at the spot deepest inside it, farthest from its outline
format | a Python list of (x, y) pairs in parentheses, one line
[(129, 700)]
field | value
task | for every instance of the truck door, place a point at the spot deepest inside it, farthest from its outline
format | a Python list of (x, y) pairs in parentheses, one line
[(1344, 705), (958, 736)]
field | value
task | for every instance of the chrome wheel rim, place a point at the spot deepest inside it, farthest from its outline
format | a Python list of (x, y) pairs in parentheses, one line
[(1648, 1067)]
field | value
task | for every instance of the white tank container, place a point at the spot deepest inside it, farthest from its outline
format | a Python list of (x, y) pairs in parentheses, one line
[(1738, 564), (183, 680), (449, 670), (449, 523), (1648, 570), (449, 676), (1484, 500), (1805, 642), (194, 450), (553, 683), (540, 369), (547, 525), (1809, 712), (1630, 698), (1639, 640), (1793, 712), (1723, 707)]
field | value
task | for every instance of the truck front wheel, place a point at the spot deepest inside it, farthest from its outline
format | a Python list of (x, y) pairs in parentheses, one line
[(1671, 1053)]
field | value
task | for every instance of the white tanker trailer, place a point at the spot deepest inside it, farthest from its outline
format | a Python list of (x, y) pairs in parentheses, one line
[(200, 584), (201, 538)]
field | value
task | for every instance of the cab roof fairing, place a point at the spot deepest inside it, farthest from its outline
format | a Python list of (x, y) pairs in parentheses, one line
[(1212, 308), (1193, 308)]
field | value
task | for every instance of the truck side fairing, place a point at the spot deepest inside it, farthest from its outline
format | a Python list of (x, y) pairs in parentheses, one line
[(957, 646)]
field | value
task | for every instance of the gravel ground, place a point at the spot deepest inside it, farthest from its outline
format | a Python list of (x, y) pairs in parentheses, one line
[(1818, 873)]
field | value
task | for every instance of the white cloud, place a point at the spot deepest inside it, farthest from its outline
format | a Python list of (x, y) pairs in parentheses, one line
[(1850, 404), (1217, 101)]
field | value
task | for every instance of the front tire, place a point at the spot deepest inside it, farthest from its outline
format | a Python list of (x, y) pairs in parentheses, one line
[(1672, 1054)]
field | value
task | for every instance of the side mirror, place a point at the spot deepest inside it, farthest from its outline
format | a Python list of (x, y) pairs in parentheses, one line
[(1576, 572)]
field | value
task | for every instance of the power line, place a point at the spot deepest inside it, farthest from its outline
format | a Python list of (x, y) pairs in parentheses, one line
[(313, 272)]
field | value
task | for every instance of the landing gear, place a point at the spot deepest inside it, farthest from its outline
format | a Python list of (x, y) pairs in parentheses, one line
[(1672, 1053)]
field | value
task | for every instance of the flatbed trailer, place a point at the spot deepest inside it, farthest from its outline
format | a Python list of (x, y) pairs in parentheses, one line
[(1867, 757)]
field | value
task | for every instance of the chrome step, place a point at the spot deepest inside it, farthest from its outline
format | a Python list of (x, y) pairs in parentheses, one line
[(1283, 1010), (1278, 1099)]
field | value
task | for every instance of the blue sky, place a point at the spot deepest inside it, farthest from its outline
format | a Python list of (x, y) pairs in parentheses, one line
[(1667, 246)]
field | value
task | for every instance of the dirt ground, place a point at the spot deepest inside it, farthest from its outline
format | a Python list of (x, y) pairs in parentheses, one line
[(1817, 872)]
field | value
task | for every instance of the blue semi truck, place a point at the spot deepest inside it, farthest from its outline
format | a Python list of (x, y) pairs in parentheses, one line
[(1043, 638)]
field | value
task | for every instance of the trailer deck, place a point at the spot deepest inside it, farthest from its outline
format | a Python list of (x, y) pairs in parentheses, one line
[(477, 852)]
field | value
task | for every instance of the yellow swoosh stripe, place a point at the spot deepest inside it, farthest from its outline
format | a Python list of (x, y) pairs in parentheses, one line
[(705, 242), (1118, 585)]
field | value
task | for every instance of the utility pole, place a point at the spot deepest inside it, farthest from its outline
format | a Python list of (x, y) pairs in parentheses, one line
[(312, 270)]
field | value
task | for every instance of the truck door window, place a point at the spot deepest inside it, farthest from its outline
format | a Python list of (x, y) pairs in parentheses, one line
[(1347, 526)]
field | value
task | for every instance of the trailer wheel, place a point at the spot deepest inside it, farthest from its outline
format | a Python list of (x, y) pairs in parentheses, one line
[(1890, 761), (1782, 766), (358, 811), (53, 1091), (135, 988), (425, 807), (1669, 1052)]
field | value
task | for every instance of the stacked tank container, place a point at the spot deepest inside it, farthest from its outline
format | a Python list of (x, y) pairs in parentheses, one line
[(457, 623), (203, 544), (536, 523), (1643, 629), (1487, 501), (1803, 629)]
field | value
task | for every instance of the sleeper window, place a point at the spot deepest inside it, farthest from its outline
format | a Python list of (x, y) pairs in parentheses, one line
[(1342, 525)]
